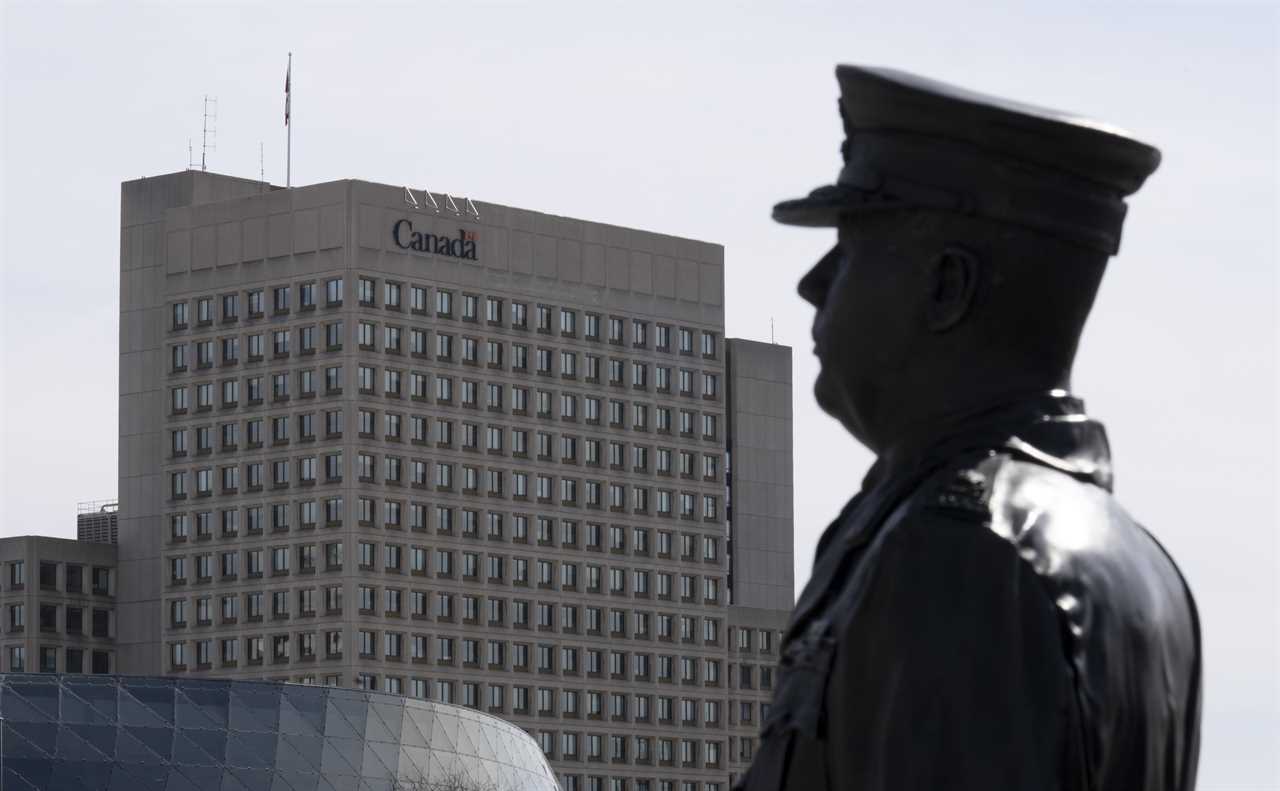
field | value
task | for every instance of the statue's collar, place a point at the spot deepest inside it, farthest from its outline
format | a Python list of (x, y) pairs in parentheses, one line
[(1048, 428)]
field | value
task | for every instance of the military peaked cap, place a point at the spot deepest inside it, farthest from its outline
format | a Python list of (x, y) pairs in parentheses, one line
[(912, 142)]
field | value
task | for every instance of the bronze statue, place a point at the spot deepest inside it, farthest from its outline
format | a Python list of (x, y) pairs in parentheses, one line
[(983, 614)]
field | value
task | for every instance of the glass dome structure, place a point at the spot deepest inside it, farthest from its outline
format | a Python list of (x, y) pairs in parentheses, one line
[(133, 733)]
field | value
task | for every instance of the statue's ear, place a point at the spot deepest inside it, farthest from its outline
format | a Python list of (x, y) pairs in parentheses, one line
[(953, 277)]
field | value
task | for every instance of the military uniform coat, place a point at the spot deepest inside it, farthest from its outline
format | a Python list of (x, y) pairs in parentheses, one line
[(984, 615)]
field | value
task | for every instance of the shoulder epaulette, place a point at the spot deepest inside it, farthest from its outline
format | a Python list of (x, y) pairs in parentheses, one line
[(967, 491)]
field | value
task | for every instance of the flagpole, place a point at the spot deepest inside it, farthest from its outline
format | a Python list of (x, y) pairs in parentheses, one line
[(288, 125)]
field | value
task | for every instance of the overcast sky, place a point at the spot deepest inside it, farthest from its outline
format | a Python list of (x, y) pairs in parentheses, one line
[(690, 119)]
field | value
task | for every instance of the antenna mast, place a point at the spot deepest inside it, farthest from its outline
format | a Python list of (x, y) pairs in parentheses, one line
[(209, 135), (262, 171), (288, 127)]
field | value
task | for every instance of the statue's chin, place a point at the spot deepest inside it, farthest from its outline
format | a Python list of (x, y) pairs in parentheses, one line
[(835, 399), (827, 394)]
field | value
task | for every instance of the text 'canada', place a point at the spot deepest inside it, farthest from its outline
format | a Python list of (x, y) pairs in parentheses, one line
[(461, 246)]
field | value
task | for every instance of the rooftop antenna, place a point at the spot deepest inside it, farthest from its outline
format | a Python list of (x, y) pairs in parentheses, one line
[(262, 171), (209, 135), (288, 128), (191, 157), (471, 209), (771, 339)]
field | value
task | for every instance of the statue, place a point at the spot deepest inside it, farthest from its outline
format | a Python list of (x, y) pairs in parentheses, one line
[(983, 614)]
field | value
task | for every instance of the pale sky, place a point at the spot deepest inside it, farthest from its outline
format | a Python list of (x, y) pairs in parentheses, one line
[(690, 119)]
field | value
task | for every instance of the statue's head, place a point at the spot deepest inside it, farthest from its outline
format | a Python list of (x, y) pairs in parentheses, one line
[(972, 236)]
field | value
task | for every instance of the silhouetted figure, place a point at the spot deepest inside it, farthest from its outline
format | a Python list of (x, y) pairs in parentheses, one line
[(983, 614)]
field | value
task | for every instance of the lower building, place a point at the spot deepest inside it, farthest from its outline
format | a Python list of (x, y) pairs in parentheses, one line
[(117, 733), (57, 605)]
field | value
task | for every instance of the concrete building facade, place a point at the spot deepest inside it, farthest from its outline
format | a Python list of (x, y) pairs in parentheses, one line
[(58, 605), (484, 457)]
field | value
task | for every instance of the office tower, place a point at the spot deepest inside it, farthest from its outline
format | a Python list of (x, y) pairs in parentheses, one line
[(475, 456)]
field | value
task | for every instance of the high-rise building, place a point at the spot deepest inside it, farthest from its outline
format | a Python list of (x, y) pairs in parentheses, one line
[(488, 456), (98, 522)]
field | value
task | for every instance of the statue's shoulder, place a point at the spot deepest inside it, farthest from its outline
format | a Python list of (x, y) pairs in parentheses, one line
[(959, 493), (1008, 495), (998, 500)]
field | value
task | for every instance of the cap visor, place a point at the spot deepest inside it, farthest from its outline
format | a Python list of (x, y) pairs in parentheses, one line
[(808, 212), (825, 206)]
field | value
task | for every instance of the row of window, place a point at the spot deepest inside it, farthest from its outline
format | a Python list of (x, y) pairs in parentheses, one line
[(541, 403), (495, 654), (497, 311), (280, 474), (73, 660), (625, 749), (72, 579), (594, 369), (73, 620), (572, 782), (492, 654), (591, 536), (497, 569), (493, 439), (419, 603)]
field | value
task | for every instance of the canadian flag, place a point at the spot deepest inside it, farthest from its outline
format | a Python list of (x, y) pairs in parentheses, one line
[(287, 73)]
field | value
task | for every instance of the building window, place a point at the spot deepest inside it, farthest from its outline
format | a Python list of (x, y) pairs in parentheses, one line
[(231, 351), (333, 291), (48, 659)]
